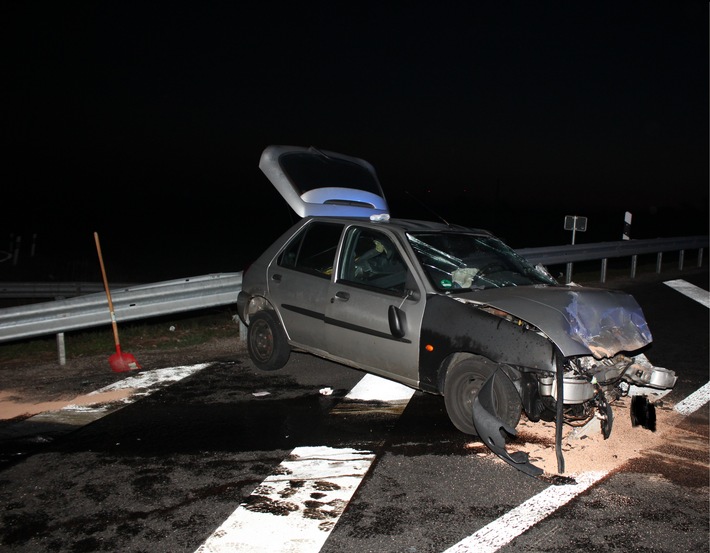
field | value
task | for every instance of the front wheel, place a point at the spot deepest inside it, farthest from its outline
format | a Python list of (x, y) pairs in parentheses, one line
[(266, 341), (463, 382)]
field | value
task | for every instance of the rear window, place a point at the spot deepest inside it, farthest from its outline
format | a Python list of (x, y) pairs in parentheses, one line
[(311, 170)]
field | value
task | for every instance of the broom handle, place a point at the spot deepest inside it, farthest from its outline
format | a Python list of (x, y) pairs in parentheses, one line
[(108, 292)]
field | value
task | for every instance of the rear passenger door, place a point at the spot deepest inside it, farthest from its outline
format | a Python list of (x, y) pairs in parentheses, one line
[(299, 282)]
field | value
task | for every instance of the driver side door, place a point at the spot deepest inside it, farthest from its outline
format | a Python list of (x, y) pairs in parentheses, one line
[(374, 277)]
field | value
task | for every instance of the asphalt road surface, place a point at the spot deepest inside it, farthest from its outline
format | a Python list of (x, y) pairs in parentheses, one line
[(318, 457)]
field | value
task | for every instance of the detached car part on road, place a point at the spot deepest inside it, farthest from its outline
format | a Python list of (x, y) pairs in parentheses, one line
[(441, 308)]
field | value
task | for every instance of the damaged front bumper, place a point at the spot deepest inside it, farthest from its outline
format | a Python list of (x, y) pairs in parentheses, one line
[(582, 388), (493, 431)]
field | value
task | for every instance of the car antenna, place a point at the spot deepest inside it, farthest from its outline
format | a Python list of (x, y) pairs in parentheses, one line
[(429, 209)]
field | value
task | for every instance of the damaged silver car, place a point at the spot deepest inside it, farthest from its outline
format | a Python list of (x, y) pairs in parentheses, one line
[(441, 308)]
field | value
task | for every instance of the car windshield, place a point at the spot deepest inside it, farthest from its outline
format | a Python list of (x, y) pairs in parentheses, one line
[(460, 261)]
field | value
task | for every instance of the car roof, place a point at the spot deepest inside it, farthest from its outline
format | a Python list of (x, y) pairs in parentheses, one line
[(406, 225)]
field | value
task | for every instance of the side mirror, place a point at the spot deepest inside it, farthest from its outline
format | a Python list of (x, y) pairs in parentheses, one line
[(398, 321)]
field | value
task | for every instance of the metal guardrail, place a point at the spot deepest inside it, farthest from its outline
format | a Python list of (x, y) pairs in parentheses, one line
[(555, 255), (551, 255), (54, 290), (604, 251), (138, 302), (175, 296)]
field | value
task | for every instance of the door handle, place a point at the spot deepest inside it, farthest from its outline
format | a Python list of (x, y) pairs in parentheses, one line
[(276, 277), (341, 296)]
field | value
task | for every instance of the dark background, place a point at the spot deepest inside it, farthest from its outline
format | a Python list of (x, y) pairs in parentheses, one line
[(144, 121)]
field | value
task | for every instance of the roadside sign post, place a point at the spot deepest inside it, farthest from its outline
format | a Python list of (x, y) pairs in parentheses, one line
[(574, 223), (626, 234)]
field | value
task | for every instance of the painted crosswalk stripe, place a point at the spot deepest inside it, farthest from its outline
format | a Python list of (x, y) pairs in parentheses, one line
[(690, 290), (295, 508)]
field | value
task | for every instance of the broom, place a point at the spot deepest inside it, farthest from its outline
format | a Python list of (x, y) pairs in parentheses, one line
[(120, 362)]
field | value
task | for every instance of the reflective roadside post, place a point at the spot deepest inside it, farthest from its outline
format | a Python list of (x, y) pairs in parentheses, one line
[(626, 234), (574, 223)]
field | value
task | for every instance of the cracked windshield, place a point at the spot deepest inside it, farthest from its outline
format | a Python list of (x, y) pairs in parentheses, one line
[(457, 261)]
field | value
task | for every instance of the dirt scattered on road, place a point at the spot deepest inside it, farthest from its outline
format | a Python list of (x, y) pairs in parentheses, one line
[(586, 450), (29, 387)]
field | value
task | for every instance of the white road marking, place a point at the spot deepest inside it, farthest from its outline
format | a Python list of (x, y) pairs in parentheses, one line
[(702, 396), (503, 530), (295, 509), (374, 388), (141, 385), (690, 290), (694, 401)]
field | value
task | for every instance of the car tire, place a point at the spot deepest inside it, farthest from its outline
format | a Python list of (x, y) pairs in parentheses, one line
[(463, 382), (266, 341)]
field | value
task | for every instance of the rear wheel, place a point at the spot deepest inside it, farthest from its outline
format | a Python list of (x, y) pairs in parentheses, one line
[(266, 341), (463, 382)]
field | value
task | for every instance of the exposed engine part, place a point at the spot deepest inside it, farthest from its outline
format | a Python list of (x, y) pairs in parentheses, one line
[(636, 370), (582, 375), (588, 401), (577, 388)]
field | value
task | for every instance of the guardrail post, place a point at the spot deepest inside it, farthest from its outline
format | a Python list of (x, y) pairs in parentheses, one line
[(568, 273), (700, 257), (603, 275), (634, 264), (659, 262), (61, 350), (681, 257)]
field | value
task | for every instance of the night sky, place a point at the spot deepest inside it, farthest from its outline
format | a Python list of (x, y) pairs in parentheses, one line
[(145, 121)]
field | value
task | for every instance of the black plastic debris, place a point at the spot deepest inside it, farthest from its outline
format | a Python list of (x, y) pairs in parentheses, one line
[(493, 430), (643, 413)]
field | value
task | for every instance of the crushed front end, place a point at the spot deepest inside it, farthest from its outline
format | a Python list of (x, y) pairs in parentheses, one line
[(599, 337), (591, 386)]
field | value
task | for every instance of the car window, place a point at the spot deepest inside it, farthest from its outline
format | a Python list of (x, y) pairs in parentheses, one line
[(371, 259), (313, 249), (456, 261)]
